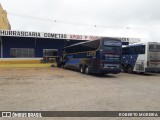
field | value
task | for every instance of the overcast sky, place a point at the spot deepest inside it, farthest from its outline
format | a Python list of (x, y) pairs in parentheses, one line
[(141, 15)]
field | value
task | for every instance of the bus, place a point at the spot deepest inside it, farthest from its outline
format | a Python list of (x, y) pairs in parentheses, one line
[(100, 56), (141, 57)]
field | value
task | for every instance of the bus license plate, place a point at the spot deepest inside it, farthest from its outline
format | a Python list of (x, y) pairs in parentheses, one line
[(110, 66)]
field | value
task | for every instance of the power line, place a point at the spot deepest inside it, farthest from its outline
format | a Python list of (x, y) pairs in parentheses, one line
[(31, 17), (82, 24)]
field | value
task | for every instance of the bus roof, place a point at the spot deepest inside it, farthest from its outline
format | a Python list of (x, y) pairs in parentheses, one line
[(79, 43), (91, 41), (142, 43), (134, 45)]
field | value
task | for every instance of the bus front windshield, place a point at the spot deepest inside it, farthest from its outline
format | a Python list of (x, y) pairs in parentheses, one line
[(154, 48), (112, 47)]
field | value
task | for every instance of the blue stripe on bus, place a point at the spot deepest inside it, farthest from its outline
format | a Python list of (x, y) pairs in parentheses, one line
[(73, 61)]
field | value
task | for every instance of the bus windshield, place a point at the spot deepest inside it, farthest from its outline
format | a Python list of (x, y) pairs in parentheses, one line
[(154, 48), (112, 46)]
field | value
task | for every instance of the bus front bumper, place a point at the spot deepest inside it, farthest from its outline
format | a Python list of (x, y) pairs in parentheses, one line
[(152, 69), (107, 70)]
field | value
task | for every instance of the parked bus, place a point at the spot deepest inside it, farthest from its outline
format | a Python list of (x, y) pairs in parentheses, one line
[(100, 56), (144, 57)]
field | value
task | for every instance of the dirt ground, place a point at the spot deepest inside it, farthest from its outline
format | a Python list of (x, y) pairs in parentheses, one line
[(54, 89)]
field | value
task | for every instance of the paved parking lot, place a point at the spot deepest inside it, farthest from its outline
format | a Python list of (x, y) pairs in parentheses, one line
[(53, 89)]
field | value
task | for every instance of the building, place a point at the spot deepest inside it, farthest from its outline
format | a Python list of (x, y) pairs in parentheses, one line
[(4, 22), (26, 44)]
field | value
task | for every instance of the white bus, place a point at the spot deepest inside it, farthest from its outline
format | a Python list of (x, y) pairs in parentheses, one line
[(142, 57)]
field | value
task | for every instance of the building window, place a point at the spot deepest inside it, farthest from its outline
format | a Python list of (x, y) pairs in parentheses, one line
[(49, 52), (22, 53)]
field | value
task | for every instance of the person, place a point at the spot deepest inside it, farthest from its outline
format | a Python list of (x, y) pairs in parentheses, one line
[(63, 63), (58, 61)]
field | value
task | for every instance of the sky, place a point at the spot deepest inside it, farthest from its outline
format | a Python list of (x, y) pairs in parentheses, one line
[(113, 18)]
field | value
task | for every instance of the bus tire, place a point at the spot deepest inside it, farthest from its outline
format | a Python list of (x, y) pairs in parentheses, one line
[(82, 69), (130, 69), (86, 70)]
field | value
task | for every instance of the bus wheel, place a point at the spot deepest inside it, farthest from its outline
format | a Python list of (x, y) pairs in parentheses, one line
[(87, 70), (81, 69), (129, 69)]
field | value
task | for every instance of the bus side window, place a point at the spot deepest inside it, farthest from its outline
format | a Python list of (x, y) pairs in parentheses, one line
[(126, 51), (74, 55), (132, 50), (70, 56), (142, 51)]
